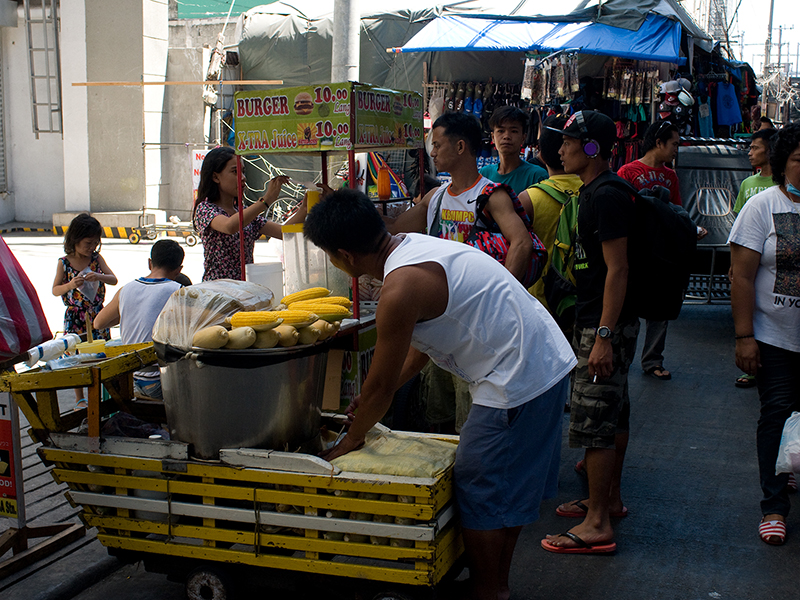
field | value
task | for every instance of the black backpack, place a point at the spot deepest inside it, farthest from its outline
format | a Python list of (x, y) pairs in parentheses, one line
[(660, 252)]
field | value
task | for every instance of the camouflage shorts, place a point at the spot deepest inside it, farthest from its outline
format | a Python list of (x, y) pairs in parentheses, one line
[(599, 410)]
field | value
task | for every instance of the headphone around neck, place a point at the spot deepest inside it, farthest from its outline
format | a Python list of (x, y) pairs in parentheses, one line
[(590, 146)]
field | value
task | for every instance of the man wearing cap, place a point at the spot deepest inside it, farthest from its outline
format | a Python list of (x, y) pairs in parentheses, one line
[(605, 335)]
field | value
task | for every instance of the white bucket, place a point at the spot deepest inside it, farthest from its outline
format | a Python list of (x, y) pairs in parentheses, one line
[(268, 274)]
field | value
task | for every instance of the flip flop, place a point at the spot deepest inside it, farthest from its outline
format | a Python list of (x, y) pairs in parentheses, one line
[(580, 468), (581, 548), (769, 530), (663, 377), (745, 381), (584, 509)]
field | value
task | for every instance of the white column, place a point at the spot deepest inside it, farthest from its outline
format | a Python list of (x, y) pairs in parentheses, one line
[(346, 46), (155, 49), (74, 105)]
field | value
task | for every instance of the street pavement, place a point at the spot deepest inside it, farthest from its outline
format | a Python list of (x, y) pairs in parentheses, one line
[(690, 484)]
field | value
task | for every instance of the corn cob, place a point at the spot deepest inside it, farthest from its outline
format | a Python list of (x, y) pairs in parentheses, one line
[(328, 312), (248, 318), (316, 292), (340, 300), (296, 318)]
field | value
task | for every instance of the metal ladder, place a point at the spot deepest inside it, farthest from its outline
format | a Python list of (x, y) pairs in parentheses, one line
[(44, 65)]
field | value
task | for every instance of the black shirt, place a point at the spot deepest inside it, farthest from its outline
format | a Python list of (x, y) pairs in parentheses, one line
[(606, 213)]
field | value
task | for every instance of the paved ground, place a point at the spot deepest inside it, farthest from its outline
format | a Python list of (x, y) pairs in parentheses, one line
[(690, 483)]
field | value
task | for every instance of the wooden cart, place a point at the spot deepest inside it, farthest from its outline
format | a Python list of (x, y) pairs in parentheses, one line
[(210, 520)]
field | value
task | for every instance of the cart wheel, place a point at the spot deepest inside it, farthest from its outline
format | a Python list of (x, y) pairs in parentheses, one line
[(208, 583), (134, 238), (391, 595), (191, 240), (151, 235)]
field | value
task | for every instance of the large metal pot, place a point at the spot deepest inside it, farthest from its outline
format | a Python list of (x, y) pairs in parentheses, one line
[(218, 399)]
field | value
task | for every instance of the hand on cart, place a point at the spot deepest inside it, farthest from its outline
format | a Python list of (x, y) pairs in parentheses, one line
[(345, 445)]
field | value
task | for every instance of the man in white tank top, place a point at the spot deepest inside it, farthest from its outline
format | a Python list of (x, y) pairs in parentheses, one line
[(136, 306), (459, 307), (456, 139)]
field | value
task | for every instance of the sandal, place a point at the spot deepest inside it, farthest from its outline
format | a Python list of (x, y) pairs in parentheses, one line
[(772, 532), (745, 381), (82, 403), (662, 374)]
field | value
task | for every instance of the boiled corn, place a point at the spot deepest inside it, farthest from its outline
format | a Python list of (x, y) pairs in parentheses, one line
[(316, 292), (296, 318), (328, 312), (340, 300), (248, 318)]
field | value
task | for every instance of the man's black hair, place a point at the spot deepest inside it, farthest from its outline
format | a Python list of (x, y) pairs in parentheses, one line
[(345, 220), (462, 126), (660, 131), (508, 113), (768, 121), (550, 141), (763, 134), (167, 254), (783, 143)]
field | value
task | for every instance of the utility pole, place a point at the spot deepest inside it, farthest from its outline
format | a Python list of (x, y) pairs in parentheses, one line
[(768, 44)]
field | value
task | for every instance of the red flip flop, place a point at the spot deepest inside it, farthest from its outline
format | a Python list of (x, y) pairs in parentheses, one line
[(581, 548), (584, 509)]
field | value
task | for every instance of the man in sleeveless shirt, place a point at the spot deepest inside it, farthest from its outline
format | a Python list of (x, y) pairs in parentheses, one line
[(448, 212), (136, 306), (459, 307)]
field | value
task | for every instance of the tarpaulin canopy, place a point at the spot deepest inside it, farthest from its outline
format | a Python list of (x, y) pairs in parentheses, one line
[(657, 39)]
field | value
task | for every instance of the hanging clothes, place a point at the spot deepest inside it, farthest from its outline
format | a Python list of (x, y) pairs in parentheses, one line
[(728, 111), (704, 120)]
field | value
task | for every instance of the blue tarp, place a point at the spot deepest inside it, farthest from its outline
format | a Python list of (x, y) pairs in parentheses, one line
[(658, 39)]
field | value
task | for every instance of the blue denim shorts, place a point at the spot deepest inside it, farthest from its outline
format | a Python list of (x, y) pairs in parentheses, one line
[(147, 387), (507, 461)]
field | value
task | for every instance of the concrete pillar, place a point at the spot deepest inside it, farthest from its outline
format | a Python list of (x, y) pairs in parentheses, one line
[(74, 106), (346, 30)]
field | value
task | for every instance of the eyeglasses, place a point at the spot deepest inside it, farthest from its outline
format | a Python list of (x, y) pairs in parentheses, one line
[(661, 127)]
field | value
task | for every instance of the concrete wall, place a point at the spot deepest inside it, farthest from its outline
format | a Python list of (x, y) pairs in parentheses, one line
[(35, 167), (114, 52), (183, 130)]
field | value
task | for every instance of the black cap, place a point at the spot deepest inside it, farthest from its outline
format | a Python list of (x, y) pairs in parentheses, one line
[(588, 125)]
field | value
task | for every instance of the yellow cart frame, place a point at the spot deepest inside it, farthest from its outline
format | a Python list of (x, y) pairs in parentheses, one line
[(259, 508)]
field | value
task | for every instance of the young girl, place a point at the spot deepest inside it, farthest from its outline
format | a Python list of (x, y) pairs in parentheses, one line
[(80, 244)]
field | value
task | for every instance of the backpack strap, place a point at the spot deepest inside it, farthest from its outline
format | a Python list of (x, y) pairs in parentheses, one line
[(483, 199), (436, 226), (557, 195)]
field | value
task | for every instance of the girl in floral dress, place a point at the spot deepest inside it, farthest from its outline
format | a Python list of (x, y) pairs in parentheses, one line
[(80, 280), (216, 215)]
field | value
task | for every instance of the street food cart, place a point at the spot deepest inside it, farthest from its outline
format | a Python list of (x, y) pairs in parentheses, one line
[(217, 514)]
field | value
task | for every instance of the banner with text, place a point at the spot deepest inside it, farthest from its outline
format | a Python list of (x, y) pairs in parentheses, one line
[(8, 491), (315, 118)]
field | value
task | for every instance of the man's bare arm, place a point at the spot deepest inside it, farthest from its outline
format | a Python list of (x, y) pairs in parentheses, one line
[(520, 246), (414, 220)]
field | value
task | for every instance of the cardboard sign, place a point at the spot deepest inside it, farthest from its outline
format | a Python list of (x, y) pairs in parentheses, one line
[(326, 117), (8, 490)]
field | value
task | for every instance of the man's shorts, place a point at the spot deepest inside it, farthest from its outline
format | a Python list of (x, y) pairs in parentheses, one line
[(147, 387), (507, 461), (599, 410)]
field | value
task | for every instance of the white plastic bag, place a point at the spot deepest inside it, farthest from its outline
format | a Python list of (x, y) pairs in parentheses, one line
[(789, 452)]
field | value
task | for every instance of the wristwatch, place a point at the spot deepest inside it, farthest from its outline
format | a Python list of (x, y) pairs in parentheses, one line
[(603, 332)]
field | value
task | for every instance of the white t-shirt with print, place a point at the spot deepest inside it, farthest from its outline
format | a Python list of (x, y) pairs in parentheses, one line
[(770, 224), (457, 212)]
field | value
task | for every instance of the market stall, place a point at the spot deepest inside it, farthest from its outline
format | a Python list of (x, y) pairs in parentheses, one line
[(223, 475)]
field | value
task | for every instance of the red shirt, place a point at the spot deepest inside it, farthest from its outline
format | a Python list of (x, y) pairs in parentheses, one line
[(644, 178)]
